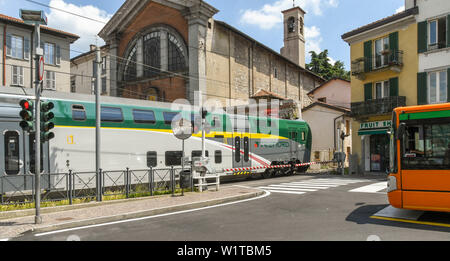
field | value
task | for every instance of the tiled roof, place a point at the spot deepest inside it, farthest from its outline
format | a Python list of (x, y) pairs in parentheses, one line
[(327, 105), (45, 28), (263, 93), (389, 19)]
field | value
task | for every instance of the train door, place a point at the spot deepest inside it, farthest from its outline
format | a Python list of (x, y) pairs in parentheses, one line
[(12, 154), (241, 150), (293, 143)]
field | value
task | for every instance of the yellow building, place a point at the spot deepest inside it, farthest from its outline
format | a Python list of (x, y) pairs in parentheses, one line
[(384, 76)]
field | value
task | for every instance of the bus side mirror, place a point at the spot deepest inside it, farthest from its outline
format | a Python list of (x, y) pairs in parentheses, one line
[(401, 130)]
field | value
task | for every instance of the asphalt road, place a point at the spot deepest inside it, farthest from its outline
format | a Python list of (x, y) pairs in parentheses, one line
[(324, 211)]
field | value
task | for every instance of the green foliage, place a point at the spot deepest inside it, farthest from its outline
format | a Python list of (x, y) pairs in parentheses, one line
[(320, 64)]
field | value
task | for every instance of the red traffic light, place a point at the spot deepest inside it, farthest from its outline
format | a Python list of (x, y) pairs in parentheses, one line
[(26, 104)]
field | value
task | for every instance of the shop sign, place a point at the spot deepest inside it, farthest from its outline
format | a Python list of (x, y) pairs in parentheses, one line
[(375, 125)]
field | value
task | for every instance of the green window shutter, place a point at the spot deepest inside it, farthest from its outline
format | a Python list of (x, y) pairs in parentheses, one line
[(422, 36), (422, 90), (393, 41), (448, 85), (368, 56), (393, 85), (448, 32), (368, 91)]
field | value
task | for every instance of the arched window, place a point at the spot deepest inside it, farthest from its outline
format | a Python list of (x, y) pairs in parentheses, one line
[(177, 58), (291, 24), (152, 54), (130, 67)]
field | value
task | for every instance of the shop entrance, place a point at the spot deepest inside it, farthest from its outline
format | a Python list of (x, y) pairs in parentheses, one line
[(379, 153)]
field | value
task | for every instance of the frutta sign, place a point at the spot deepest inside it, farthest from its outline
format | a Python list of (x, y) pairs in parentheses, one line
[(376, 125)]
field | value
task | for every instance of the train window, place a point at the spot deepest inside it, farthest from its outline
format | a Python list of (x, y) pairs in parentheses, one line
[(111, 114), (32, 155), (237, 149), (168, 117), (152, 159), (218, 156), (144, 116), (12, 162), (173, 158), (78, 113), (246, 149), (198, 153)]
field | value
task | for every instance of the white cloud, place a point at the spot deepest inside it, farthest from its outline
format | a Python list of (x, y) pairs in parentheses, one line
[(400, 9), (86, 29), (270, 15)]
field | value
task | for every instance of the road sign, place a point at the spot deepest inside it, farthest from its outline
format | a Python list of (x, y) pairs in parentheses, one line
[(181, 128), (41, 68)]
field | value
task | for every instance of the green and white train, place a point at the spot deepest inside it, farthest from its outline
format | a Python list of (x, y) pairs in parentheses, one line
[(136, 134)]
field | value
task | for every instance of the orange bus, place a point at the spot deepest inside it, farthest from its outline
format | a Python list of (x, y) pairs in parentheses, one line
[(419, 176)]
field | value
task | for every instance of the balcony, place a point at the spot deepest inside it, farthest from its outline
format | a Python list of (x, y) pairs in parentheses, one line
[(378, 106), (386, 60)]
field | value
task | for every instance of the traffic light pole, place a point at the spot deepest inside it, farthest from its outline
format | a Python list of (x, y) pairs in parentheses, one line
[(37, 144), (98, 123)]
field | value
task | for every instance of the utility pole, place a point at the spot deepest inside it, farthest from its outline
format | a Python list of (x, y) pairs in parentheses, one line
[(98, 121)]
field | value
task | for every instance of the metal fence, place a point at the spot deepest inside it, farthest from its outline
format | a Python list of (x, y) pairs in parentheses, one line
[(73, 185)]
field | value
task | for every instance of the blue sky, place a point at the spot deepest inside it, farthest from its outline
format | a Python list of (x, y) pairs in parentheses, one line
[(325, 21)]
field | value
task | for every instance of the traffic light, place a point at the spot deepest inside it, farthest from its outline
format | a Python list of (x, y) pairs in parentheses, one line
[(46, 124), (27, 115)]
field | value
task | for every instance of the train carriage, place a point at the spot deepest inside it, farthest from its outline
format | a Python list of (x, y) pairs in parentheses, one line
[(137, 134)]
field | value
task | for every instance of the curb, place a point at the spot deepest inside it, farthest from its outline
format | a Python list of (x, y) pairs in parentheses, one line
[(145, 213)]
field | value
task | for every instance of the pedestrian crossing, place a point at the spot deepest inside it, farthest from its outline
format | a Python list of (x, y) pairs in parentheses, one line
[(311, 185), (380, 187)]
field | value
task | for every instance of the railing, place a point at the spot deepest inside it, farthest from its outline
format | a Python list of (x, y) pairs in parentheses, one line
[(378, 106), (386, 59), (73, 185)]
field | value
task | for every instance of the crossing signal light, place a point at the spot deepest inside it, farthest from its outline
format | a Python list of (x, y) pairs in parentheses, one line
[(27, 115), (46, 124)]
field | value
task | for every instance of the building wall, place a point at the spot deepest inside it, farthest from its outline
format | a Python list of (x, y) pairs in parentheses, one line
[(337, 92), (62, 71), (237, 69), (82, 72), (322, 120)]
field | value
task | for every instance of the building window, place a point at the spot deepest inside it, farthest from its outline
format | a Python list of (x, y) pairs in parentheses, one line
[(381, 90), (103, 65), (381, 52), (130, 67), (291, 24), (17, 75), (176, 54), (50, 80), (275, 72), (103, 85), (49, 53), (73, 85), (438, 33), (14, 46), (152, 54), (437, 92)]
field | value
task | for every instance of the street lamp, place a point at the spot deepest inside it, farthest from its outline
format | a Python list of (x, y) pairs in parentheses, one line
[(37, 18)]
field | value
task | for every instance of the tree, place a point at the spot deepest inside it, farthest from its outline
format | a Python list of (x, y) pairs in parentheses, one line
[(320, 64)]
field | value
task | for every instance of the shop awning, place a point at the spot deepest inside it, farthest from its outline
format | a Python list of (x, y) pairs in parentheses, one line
[(372, 132)]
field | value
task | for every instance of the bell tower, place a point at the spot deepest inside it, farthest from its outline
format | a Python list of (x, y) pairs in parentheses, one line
[(294, 38)]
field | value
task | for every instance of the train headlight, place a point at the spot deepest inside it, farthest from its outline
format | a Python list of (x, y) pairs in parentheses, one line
[(391, 184)]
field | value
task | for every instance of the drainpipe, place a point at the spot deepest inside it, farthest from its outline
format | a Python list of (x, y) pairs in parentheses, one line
[(4, 54)]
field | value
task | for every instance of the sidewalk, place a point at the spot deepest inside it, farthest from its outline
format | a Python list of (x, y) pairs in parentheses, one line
[(96, 213)]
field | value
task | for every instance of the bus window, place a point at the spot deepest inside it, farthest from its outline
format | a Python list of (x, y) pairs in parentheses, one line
[(427, 147), (144, 116), (12, 164), (111, 114), (78, 113)]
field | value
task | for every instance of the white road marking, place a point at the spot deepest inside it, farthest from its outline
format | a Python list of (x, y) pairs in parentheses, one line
[(292, 186), (372, 188), (283, 188), (4, 239), (267, 193), (307, 186), (286, 192)]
